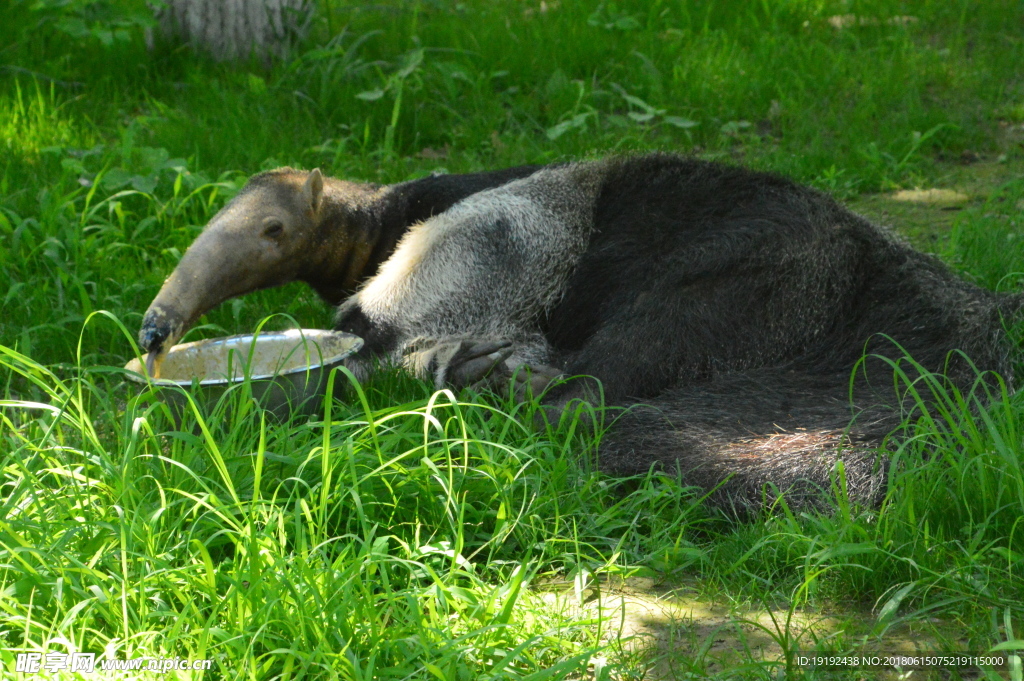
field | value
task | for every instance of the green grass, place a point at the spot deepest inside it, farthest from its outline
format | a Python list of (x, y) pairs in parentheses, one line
[(398, 535)]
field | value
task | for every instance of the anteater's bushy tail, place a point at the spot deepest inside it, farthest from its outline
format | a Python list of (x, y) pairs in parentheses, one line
[(754, 434)]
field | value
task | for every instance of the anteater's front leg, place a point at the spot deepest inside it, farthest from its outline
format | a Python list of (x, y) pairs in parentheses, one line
[(463, 294), (381, 340), (457, 360)]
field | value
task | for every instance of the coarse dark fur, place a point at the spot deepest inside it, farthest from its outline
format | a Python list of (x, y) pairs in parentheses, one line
[(733, 304)]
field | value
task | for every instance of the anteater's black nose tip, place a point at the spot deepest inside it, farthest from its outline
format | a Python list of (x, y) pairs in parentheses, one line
[(152, 335)]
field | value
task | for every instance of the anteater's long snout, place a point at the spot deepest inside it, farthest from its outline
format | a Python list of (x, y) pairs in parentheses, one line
[(262, 238), (211, 271)]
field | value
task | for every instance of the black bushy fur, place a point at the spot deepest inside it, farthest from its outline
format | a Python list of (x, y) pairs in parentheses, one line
[(419, 200), (734, 305)]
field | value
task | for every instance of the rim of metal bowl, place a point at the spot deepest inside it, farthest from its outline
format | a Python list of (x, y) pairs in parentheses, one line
[(136, 375)]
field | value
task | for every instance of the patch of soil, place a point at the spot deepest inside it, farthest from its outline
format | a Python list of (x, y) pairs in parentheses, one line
[(926, 215), (671, 633)]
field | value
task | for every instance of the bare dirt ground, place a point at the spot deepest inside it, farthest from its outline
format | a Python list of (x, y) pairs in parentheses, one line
[(671, 632), (925, 214)]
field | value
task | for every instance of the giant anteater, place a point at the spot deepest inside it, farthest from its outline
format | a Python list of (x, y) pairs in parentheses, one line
[(734, 304)]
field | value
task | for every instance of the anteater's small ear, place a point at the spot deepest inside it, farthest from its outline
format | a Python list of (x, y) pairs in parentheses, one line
[(313, 190)]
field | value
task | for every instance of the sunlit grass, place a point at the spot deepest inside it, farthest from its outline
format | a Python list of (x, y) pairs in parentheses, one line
[(404, 534), (345, 547), (31, 120)]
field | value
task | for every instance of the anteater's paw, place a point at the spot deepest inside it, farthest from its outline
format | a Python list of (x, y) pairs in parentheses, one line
[(531, 380), (458, 363)]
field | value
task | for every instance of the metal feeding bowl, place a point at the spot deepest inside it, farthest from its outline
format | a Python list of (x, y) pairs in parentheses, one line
[(286, 371)]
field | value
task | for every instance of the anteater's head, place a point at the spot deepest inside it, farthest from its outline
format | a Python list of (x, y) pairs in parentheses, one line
[(273, 232)]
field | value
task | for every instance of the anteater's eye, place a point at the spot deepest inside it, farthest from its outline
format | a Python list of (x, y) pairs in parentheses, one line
[(273, 228)]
